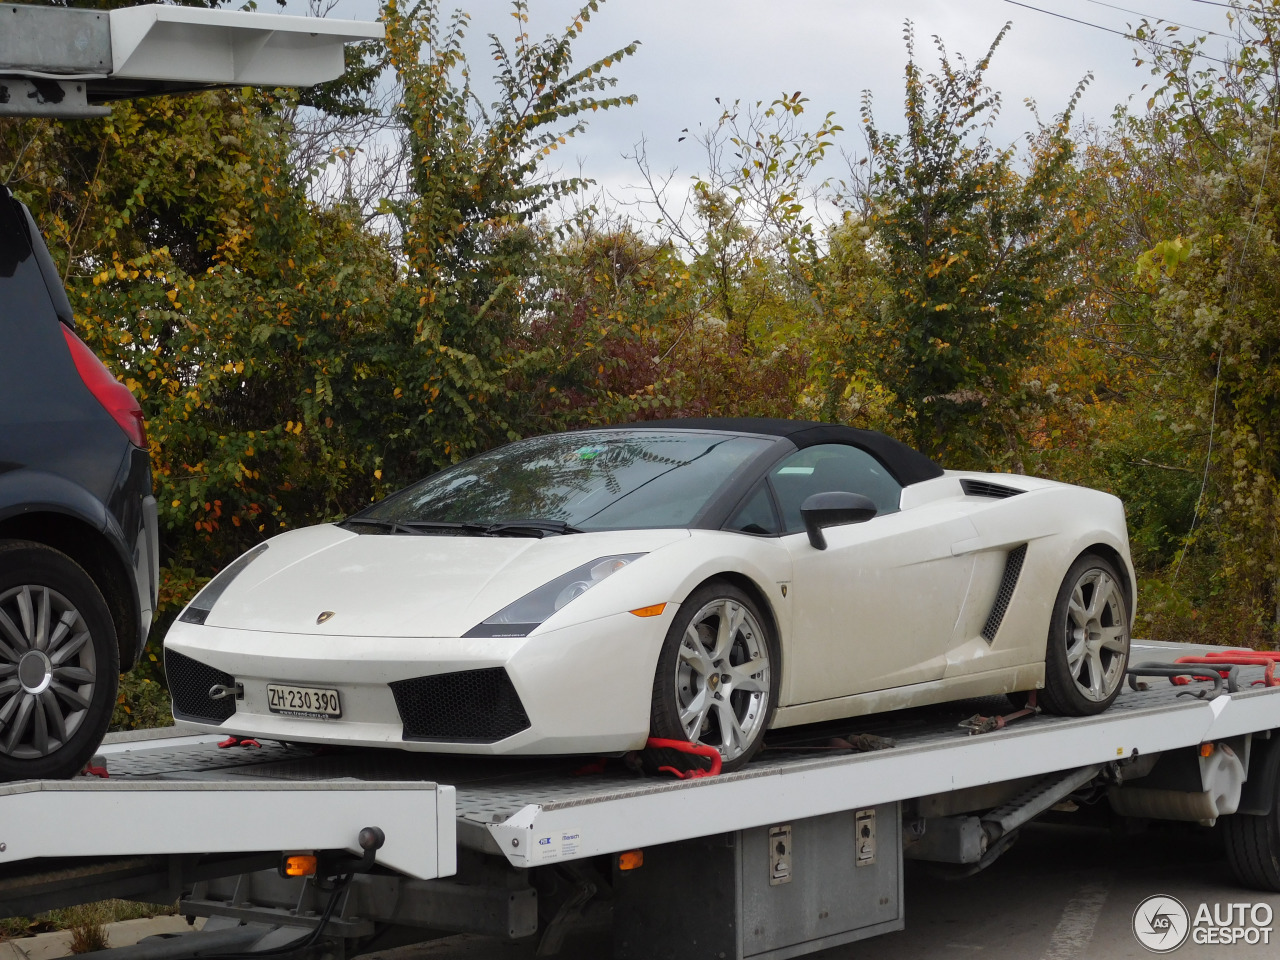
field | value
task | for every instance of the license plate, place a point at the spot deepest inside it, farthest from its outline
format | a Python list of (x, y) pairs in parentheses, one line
[(303, 701)]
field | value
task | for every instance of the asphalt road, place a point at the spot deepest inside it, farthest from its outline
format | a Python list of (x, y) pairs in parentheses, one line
[(1068, 893), (1061, 893)]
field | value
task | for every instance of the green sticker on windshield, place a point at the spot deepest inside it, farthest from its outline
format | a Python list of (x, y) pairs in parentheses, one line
[(588, 453)]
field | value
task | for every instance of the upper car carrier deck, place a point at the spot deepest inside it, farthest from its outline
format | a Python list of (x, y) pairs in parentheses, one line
[(537, 812)]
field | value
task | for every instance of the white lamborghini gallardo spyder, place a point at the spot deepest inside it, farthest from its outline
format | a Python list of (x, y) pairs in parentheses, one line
[(702, 580)]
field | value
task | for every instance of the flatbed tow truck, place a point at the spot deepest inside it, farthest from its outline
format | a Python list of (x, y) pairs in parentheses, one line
[(802, 850)]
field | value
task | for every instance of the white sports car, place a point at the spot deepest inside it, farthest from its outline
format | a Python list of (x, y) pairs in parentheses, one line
[(701, 580)]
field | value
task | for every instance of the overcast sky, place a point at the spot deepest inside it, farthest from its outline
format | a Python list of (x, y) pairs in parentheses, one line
[(693, 51)]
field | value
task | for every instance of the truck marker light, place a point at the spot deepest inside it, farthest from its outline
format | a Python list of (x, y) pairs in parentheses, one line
[(1206, 749), (630, 859), (299, 865)]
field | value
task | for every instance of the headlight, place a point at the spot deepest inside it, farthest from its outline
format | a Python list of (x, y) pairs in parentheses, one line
[(198, 609), (520, 618)]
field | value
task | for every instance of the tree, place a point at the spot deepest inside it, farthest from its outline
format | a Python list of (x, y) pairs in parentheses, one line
[(974, 253), (463, 369), (745, 244), (1213, 271)]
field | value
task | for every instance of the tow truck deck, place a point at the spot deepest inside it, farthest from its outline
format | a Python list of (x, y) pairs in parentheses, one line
[(809, 815)]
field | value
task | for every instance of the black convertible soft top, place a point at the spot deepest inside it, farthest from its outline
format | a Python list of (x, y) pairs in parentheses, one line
[(906, 465)]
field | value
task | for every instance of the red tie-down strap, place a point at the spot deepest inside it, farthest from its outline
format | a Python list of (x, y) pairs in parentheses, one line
[(234, 741), (673, 757)]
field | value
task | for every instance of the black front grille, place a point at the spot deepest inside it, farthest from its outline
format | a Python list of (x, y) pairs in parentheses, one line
[(189, 683), (985, 488), (478, 706), (1012, 570)]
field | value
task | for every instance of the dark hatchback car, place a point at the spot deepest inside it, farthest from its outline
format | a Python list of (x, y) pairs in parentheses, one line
[(78, 536)]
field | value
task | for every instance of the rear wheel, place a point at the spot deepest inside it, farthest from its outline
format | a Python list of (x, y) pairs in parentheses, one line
[(1253, 848), (1253, 841), (717, 677), (1088, 644), (59, 663)]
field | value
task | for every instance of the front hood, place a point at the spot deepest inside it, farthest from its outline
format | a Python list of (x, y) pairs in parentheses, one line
[(404, 585)]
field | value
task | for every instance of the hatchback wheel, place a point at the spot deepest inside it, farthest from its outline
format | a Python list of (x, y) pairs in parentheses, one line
[(59, 663)]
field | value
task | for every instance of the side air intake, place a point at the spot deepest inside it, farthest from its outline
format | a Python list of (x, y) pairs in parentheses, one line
[(985, 488), (1012, 570)]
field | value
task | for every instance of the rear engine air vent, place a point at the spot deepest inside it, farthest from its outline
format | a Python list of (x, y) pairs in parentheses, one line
[(985, 488), (1012, 569), (475, 706), (189, 682)]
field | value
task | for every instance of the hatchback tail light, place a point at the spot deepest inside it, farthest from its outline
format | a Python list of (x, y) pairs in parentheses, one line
[(110, 392)]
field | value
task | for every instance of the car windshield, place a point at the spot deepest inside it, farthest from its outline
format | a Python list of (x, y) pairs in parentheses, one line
[(587, 481)]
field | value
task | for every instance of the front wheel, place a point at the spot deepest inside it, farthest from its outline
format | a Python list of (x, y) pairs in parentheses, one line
[(1088, 644), (717, 677), (59, 663)]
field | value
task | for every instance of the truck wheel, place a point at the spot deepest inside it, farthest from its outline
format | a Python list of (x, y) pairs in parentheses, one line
[(717, 677), (1088, 646), (1253, 847), (59, 663)]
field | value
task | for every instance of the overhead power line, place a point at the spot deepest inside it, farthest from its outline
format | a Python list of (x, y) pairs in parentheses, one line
[(1234, 6), (1118, 33), (1158, 19)]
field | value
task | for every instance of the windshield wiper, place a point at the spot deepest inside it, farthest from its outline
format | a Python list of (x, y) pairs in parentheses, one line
[(421, 527), (503, 528), (443, 526), (528, 528), (390, 526)]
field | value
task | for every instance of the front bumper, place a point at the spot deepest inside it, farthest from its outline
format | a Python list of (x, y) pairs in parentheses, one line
[(585, 688)]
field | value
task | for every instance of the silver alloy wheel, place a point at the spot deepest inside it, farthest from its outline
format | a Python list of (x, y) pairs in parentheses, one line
[(722, 678), (47, 671), (1097, 635)]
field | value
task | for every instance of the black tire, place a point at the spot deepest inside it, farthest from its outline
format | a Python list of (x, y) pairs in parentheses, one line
[(1252, 842), (54, 707), (1093, 681), (1253, 849), (677, 683)]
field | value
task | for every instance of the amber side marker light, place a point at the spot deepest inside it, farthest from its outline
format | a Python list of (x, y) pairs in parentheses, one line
[(630, 859), (1206, 749), (650, 611), (299, 865)]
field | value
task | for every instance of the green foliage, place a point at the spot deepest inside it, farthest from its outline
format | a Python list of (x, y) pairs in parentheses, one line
[(461, 365), (974, 257), (141, 704), (1214, 278)]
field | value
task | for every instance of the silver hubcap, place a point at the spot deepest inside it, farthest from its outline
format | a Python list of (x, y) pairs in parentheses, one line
[(47, 671), (1097, 635), (722, 681)]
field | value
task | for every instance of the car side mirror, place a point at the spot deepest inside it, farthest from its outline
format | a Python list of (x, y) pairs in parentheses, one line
[(833, 510)]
